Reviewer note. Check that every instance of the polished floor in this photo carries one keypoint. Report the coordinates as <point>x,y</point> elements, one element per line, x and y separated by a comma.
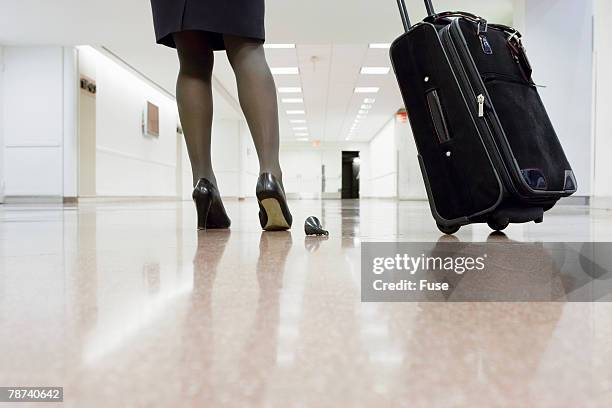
<point>125,304</point>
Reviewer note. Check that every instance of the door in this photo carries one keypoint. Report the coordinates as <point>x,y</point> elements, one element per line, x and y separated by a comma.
<point>351,166</point>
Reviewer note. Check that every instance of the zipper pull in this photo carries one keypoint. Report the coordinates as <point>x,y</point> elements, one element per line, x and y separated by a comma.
<point>486,46</point>
<point>481,102</point>
<point>483,27</point>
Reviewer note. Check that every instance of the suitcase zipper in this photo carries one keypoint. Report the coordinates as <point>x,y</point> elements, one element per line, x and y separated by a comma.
<point>482,34</point>
<point>480,99</point>
<point>454,55</point>
<point>476,78</point>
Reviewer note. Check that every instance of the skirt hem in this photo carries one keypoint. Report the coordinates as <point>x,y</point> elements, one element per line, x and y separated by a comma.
<point>216,38</point>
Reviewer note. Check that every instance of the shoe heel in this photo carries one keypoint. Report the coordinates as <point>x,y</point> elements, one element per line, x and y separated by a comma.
<point>203,204</point>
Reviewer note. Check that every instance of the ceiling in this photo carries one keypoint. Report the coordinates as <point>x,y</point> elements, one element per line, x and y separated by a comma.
<point>332,45</point>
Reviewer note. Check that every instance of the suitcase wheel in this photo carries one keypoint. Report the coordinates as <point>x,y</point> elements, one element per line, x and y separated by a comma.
<point>498,224</point>
<point>449,230</point>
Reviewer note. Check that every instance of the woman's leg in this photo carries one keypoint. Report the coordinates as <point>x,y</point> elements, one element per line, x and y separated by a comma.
<point>195,102</point>
<point>257,94</point>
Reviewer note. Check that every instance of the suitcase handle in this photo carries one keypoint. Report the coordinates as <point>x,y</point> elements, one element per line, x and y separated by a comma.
<point>405,16</point>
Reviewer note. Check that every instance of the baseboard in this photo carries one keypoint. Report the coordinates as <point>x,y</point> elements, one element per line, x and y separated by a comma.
<point>33,200</point>
<point>331,196</point>
<point>575,200</point>
<point>419,199</point>
<point>106,199</point>
<point>603,203</point>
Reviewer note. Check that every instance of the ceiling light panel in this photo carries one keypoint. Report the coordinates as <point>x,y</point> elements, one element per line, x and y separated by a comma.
<point>369,100</point>
<point>375,70</point>
<point>367,89</point>
<point>289,89</point>
<point>382,46</point>
<point>296,112</point>
<point>293,100</point>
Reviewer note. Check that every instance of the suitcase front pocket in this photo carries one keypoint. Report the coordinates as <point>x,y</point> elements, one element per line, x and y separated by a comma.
<point>529,133</point>
<point>437,116</point>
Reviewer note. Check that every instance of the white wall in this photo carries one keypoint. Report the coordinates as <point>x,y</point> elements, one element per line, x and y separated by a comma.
<point>302,172</point>
<point>558,38</point>
<point>226,156</point>
<point>37,86</point>
<point>382,164</point>
<point>71,132</point>
<point>127,162</point>
<point>410,182</point>
<point>302,164</point>
<point>130,164</point>
<point>603,99</point>
<point>2,183</point>
<point>249,164</point>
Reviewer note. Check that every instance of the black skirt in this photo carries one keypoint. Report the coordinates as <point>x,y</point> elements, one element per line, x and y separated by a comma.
<point>243,18</point>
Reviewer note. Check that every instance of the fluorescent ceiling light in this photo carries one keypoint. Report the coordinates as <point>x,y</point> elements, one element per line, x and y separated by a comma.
<point>369,100</point>
<point>300,128</point>
<point>279,46</point>
<point>375,70</point>
<point>298,120</point>
<point>303,139</point>
<point>285,71</point>
<point>301,134</point>
<point>366,106</point>
<point>296,112</point>
<point>367,89</point>
<point>361,116</point>
<point>293,100</point>
<point>290,90</point>
<point>380,45</point>
<point>363,112</point>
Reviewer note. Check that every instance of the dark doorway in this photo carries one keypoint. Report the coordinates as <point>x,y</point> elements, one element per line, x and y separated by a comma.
<point>350,175</point>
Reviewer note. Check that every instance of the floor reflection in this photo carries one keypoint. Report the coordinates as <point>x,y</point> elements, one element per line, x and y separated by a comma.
<point>124,304</point>
<point>350,227</point>
<point>198,331</point>
<point>522,272</point>
<point>258,355</point>
<point>312,244</point>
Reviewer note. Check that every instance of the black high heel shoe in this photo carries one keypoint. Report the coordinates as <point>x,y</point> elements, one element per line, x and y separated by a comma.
<point>274,214</point>
<point>211,212</point>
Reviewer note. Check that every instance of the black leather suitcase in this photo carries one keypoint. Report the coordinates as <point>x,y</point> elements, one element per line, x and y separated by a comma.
<point>487,149</point>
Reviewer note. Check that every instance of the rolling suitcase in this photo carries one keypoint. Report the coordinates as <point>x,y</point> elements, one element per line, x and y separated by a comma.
<point>487,149</point>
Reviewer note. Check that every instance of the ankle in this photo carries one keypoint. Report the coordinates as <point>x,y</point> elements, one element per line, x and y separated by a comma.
<point>276,172</point>
<point>209,177</point>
